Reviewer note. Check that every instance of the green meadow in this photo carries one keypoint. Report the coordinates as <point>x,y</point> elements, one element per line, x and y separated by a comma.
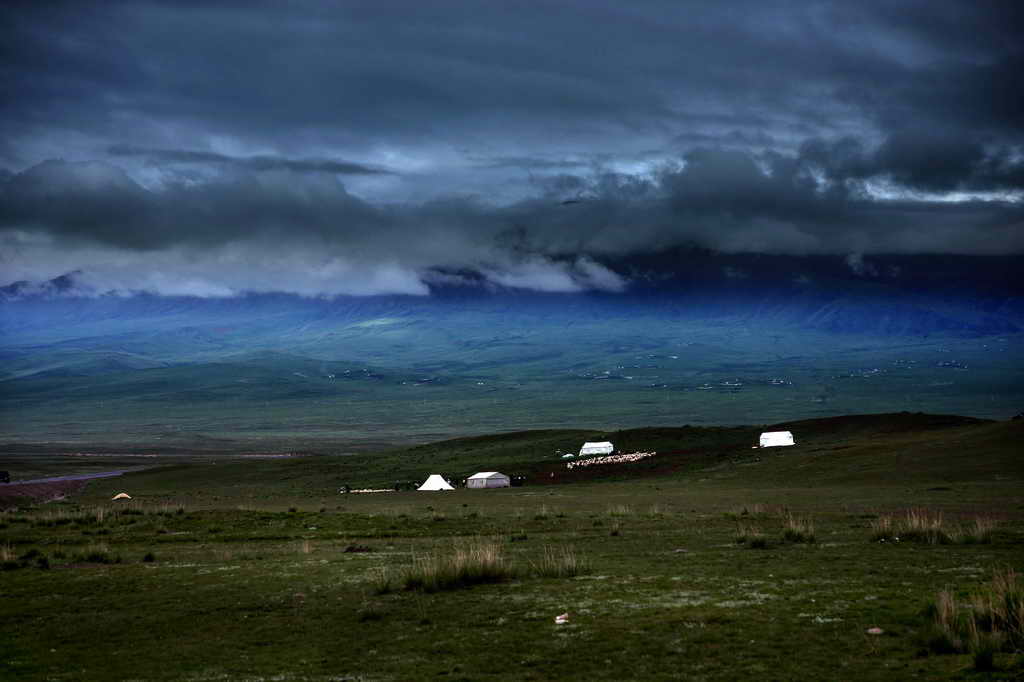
<point>711,560</point>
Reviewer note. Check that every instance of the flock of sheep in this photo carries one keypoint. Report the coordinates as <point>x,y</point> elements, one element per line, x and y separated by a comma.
<point>610,459</point>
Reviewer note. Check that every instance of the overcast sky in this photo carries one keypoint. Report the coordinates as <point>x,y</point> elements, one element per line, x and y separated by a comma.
<point>212,148</point>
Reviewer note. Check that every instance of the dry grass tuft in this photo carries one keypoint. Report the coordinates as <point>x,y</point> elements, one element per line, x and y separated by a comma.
<point>561,562</point>
<point>946,626</point>
<point>746,532</point>
<point>929,527</point>
<point>922,525</point>
<point>795,529</point>
<point>383,580</point>
<point>991,621</point>
<point>620,510</point>
<point>979,531</point>
<point>472,563</point>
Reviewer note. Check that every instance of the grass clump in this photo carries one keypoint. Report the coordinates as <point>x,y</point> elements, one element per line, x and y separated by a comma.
<point>929,527</point>
<point>369,613</point>
<point>990,621</point>
<point>561,562</point>
<point>383,581</point>
<point>97,554</point>
<point>620,510</point>
<point>751,536</point>
<point>473,563</point>
<point>10,562</point>
<point>922,525</point>
<point>797,530</point>
<point>979,531</point>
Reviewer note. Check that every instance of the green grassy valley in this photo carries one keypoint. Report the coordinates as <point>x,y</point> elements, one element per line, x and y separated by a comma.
<point>424,387</point>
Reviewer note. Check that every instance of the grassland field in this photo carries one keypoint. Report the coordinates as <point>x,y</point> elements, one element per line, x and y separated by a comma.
<point>378,382</point>
<point>223,566</point>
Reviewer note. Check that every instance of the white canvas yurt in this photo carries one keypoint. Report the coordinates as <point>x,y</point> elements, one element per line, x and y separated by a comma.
<point>601,448</point>
<point>488,479</point>
<point>772,439</point>
<point>435,482</point>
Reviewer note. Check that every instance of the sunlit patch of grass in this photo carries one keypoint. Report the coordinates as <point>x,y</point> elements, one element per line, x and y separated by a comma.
<point>620,510</point>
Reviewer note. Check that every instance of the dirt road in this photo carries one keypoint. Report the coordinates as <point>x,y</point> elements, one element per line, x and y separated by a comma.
<point>50,489</point>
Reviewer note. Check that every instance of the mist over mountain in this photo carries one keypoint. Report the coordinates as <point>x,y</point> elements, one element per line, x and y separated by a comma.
<point>889,295</point>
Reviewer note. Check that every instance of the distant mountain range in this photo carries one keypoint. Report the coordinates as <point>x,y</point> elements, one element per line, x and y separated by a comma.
<point>697,337</point>
<point>887,295</point>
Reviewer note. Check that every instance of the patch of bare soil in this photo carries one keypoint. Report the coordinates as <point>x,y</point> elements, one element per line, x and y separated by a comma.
<point>15,494</point>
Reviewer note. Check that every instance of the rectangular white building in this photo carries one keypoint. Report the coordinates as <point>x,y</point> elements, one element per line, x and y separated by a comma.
<point>597,448</point>
<point>772,439</point>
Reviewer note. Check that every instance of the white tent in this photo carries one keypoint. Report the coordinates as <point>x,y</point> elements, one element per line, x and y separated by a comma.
<point>601,448</point>
<point>435,482</point>
<point>121,496</point>
<point>488,479</point>
<point>773,439</point>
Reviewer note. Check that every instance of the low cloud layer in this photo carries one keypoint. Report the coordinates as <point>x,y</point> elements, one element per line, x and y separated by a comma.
<point>158,157</point>
<point>306,234</point>
<point>327,149</point>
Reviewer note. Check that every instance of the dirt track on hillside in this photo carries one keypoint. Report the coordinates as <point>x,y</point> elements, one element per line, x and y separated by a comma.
<point>40,490</point>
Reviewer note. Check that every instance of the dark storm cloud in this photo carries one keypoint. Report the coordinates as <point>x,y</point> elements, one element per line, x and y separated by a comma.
<point>922,159</point>
<point>528,142</point>
<point>530,163</point>
<point>254,163</point>
<point>560,72</point>
<point>96,201</point>
<point>723,199</point>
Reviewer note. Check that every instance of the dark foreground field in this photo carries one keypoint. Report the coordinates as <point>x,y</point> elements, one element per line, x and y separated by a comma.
<point>709,561</point>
